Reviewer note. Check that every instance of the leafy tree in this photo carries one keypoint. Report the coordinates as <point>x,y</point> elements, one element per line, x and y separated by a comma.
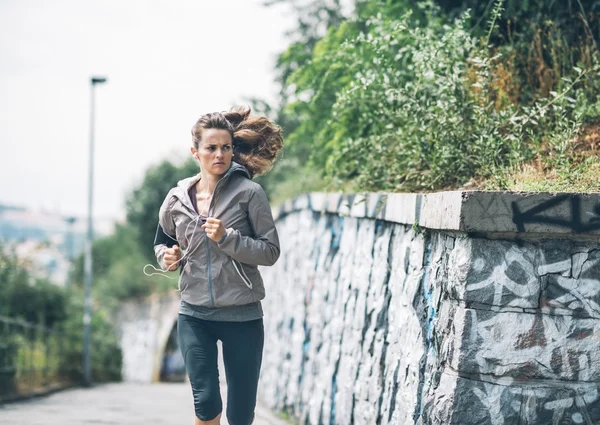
<point>39,302</point>
<point>107,250</point>
<point>144,201</point>
<point>119,266</point>
<point>106,358</point>
<point>314,18</point>
<point>25,297</point>
<point>122,259</point>
<point>521,13</point>
<point>541,41</point>
<point>311,74</point>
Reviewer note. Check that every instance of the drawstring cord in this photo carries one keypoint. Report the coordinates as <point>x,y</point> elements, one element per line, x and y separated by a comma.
<point>187,253</point>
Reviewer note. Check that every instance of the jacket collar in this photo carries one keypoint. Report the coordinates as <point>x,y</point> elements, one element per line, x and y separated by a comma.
<point>183,186</point>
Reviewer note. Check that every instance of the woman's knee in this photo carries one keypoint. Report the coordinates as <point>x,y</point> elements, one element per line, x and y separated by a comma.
<point>206,405</point>
<point>204,379</point>
<point>207,395</point>
<point>240,418</point>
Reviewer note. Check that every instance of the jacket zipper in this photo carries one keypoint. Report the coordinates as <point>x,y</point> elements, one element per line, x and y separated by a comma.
<point>240,270</point>
<point>208,256</point>
<point>209,262</point>
<point>210,282</point>
<point>242,274</point>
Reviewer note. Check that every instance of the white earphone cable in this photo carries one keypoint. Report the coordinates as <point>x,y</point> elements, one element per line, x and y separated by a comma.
<point>188,252</point>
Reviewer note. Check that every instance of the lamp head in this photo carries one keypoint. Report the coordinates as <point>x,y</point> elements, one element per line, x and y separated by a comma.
<point>98,80</point>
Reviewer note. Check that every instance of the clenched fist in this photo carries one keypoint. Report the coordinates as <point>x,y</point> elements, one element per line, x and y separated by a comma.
<point>172,257</point>
<point>214,229</point>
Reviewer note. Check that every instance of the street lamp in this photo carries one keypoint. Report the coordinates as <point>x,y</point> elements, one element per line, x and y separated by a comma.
<point>87,305</point>
<point>69,246</point>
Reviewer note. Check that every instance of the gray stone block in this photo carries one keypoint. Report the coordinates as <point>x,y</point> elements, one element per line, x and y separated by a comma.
<point>494,273</point>
<point>526,346</point>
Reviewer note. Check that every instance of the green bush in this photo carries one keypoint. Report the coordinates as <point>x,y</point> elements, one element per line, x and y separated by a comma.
<point>420,103</point>
<point>395,99</point>
<point>32,358</point>
<point>106,359</point>
<point>8,362</point>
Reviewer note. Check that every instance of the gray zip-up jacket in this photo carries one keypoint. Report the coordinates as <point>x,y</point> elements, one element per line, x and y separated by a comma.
<point>221,274</point>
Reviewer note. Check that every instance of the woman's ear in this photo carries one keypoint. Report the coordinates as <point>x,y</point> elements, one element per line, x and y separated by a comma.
<point>194,152</point>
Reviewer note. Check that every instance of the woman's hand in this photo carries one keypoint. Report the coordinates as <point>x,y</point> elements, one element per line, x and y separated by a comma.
<point>171,258</point>
<point>214,229</point>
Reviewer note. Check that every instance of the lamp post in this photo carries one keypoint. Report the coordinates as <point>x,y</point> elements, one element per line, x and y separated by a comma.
<point>87,305</point>
<point>69,248</point>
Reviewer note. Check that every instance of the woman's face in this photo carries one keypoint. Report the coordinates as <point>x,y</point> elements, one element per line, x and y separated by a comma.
<point>215,151</point>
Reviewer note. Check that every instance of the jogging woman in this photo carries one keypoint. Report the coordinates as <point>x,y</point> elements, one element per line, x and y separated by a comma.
<point>217,227</point>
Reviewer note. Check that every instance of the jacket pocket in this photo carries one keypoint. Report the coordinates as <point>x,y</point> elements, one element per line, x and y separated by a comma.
<point>184,275</point>
<point>182,286</point>
<point>241,273</point>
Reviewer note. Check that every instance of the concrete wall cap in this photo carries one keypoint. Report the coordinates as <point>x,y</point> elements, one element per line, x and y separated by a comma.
<point>464,211</point>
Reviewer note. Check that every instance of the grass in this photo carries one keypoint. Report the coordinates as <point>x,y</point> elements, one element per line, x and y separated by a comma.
<point>575,167</point>
<point>584,177</point>
<point>36,367</point>
<point>287,417</point>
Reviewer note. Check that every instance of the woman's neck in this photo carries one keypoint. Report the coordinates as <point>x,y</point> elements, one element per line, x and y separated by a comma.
<point>208,182</point>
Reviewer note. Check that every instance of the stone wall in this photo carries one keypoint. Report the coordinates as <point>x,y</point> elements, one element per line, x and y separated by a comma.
<point>143,329</point>
<point>450,308</point>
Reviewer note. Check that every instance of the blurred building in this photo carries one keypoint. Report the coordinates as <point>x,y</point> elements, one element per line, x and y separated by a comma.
<point>46,243</point>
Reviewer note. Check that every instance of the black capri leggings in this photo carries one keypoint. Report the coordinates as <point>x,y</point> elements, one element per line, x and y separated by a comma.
<point>242,355</point>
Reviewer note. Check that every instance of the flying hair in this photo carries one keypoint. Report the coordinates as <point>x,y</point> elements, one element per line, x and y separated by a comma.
<point>256,139</point>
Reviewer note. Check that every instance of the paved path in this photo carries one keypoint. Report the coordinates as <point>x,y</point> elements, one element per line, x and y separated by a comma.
<point>115,404</point>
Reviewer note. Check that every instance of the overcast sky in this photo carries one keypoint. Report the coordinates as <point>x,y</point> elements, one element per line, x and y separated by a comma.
<point>167,63</point>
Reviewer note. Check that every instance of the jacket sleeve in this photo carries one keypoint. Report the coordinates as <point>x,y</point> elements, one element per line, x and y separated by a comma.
<point>165,231</point>
<point>263,248</point>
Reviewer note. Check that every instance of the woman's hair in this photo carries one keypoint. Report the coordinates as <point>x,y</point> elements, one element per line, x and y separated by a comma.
<point>256,139</point>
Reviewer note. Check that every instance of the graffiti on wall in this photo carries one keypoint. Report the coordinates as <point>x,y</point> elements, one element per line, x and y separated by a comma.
<point>553,341</point>
<point>572,220</point>
<point>472,330</point>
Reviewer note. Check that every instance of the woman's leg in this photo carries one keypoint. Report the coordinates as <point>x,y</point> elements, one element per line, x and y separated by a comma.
<point>198,345</point>
<point>215,421</point>
<point>242,356</point>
